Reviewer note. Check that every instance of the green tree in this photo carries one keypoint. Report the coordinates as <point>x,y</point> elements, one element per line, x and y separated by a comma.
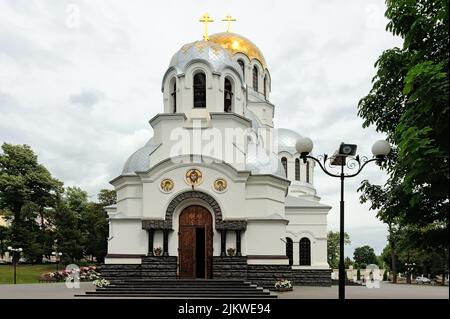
<point>69,224</point>
<point>4,238</point>
<point>95,228</point>
<point>107,197</point>
<point>348,262</point>
<point>409,103</point>
<point>333,247</point>
<point>27,191</point>
<point>365,255</point>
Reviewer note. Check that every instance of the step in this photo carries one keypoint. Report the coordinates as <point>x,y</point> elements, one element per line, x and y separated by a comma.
<point>203,295</point>
<point>220,296</point>
<point>177,289</point>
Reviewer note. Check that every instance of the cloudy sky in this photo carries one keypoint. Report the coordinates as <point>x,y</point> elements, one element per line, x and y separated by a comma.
<point>79,80</point>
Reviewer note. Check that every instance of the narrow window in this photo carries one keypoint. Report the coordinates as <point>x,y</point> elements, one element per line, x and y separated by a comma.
<point>305,252</point>
<point>255,78</point>
<point>284,162</point>
<point>228,96</point>
<point>297,169</point>
<point>200,90</point>
<point>242,65</point>
<point>174,96</point>
<point>290,250</point>
<point>265,87</point>
<point>307,171</point>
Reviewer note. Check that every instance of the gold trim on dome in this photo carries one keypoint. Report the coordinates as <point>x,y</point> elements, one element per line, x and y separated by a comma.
<point>202,45</point>
<point>235,43</point>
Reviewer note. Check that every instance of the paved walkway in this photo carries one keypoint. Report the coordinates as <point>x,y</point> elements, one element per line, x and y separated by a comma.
<point>386,291</point>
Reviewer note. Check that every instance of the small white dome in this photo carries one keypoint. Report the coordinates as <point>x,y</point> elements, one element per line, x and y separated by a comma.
<point>286,140</point>
<point>140,160</point>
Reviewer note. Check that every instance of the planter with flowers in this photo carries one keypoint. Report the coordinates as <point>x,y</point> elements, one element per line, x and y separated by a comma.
<point>283,285</point>
<point>157,251</point>
<point>231,252</point>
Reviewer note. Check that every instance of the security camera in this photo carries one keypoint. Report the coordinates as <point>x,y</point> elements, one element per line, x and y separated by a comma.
<point>347,149</point>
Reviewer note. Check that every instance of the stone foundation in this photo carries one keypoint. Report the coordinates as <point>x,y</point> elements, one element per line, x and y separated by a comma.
<point>311,277</point>
<point>152,267</point>
<point>233,268</point>
<point>230,268</point>
<point>266,275</point>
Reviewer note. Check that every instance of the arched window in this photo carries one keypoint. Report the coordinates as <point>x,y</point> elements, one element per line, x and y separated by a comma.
<point>242,65</point>
<point>284,162</point>
<point>265,87</point>
<point>305,252</point>
<point>173,96</point>
<point>297,169</point>
<point>290,250</point>
<point>228,96</point>
<point>200,90</point>
<point>255,78</point>
<point>307,171</point>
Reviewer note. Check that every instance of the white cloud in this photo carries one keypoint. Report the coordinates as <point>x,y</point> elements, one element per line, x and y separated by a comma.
<point>79,79</point>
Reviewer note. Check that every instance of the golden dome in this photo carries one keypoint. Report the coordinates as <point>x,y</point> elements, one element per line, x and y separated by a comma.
<point>236,43</point>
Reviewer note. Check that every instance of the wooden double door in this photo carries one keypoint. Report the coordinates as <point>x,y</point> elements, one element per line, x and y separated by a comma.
<point>195,243</point>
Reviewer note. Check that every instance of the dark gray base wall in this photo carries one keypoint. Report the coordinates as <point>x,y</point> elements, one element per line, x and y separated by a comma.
<point>229,268</point>
<point>266,275</point>
<point>165,267</point>
<point>161,267</point>
<point>311,277</point>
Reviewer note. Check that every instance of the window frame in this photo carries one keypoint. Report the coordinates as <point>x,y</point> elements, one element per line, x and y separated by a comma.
<point>199,88</point>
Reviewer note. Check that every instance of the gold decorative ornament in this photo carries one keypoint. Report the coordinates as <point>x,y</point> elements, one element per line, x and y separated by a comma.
<point>206,19</point>
<point>194,177</point>
<point>167,185</point>
<point>236,43</point>
<point>220,185</point>
<point>228,19</point>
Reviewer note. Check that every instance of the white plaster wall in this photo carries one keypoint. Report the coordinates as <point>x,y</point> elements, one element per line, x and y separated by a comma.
<point>265,238</point>
<point>128,237</point>
<point>214,139</point>
<point>312,224</point>
<point>232,201</point>
<point>214,90</point>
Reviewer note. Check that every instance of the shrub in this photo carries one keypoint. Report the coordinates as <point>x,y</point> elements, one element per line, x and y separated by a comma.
<point>385,275</point>
<point>358,274</point>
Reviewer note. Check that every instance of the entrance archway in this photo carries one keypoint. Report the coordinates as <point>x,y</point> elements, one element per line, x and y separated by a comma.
<point>195,242</point>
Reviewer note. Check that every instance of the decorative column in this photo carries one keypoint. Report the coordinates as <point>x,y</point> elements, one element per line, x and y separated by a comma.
<point>223,243</point>
<point>151,233</point>
<point>165,242</point>
<point>238,243</point>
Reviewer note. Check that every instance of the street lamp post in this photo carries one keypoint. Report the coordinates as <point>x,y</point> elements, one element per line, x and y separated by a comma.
<point>344,157</point>
<point>57,255</point>
<point>14,252</point>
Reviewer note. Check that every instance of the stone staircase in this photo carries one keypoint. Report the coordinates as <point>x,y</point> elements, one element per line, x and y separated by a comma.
<point>181,288</point>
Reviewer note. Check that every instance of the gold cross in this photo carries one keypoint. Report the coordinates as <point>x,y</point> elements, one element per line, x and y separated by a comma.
<point>206,19</point>
<point>228,19</point>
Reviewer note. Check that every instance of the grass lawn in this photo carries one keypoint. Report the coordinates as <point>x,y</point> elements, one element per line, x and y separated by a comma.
<point>26,274</point>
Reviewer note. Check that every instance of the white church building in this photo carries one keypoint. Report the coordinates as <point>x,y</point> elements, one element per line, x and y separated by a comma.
<point>218,191</point>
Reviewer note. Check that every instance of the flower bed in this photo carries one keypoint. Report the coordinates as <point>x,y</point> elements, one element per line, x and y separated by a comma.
<point>283,285</point>
<point>88,273</point>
